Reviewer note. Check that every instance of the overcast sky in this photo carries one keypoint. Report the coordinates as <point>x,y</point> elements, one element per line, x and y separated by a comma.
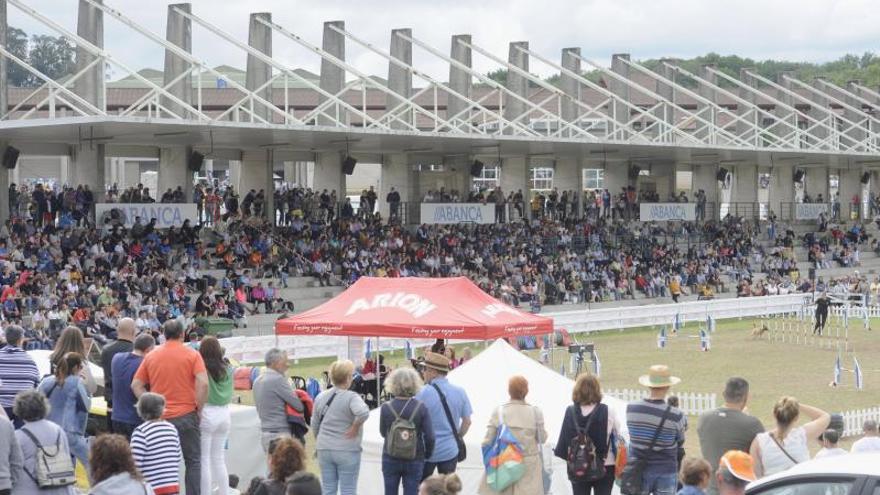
<point>812,30</point>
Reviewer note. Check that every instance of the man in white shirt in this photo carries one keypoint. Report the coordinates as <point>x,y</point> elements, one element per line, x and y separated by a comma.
<point>871,441</point>
<point>829,444</point>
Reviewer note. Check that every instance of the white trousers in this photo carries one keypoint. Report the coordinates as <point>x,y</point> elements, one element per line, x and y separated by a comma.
<point>214,427</point>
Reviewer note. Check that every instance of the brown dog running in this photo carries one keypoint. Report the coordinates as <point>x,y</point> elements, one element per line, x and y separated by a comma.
<point>759,331</point>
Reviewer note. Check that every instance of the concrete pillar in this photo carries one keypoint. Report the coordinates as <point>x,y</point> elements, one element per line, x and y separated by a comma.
<point>332,76</point>
<point>621,110</point>
<point>705,178</point>
<point>745,183</point>
<point>668,93</point>
<point>817,182</point>
<point>396,173</point>
<point>570,85</point>
<point>88,163</point>
<point>515,175</point>
<point>235,177</point>
<point>4,174</point>
<point>290,172</point>
<point>400,78</point>
<point>90,26</point>
<point>850,185</point>
<point>256,169</point>
<point>517,84</point>
<point>818,133</point>
<point>616,176</point>
<point>459,80</point>
<point>743,128</point>
<point>568,176</point>
<point>858,134</point>
<point>328,173</point>
<point>711,95</point>
<point>174,171</point>
<point>179,32</point>
<point>259,72</point>
<point>64,170</point>
<point>4,83</point>
<point>782,191</point>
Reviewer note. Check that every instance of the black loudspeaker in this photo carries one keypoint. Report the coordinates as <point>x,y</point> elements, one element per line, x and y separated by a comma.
<point>10,157</point>
<point>195,161</point>
<point>799,175</point>
<point>866,177</point>
<point>348,165</point>
<point>476,168</point>
<point>634,172</point>
<point>721,176</point>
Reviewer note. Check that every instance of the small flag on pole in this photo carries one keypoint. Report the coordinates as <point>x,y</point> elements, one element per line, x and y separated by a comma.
<point>562,369</point>
<point>368,349</point>
<point>860,383</point>
<point>837,371</point>
<point>597,365</point>
<point>676,322</point>
<point>661,338</point>
<point>710,323</point>
<point>705,340</point>
<point>408,350</point>
<point>846,316</point>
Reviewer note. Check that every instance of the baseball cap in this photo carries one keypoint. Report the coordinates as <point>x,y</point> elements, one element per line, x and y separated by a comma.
<point>739,464</point>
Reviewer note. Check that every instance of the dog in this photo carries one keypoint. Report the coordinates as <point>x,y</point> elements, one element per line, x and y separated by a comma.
<point>759,331</point>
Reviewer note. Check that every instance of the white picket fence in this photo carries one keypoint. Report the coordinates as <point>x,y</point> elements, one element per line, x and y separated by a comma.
<point>690,403</point>
<point>853,420</point>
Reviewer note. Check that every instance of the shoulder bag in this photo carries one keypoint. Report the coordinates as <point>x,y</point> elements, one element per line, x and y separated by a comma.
<point>631,477</point>
<point>462,449</point>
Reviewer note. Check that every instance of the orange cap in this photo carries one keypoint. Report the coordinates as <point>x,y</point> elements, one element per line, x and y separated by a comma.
<point>739,464</point>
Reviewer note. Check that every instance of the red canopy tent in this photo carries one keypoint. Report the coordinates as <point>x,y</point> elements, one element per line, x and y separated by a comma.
<point>448,308</point>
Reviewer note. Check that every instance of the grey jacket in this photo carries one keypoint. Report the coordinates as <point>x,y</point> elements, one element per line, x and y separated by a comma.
<point>47,433</point>
<point>272,392</point>
<point>121,483</point>
<point>10,455</point>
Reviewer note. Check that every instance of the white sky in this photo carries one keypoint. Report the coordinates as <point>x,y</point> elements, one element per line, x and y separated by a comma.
<point>811,30</point>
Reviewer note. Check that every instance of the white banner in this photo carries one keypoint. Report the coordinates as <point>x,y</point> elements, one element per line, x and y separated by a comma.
<point>447,213</point>
<point>166,214</point>
<point>810,211</point>
<point>666,212</point>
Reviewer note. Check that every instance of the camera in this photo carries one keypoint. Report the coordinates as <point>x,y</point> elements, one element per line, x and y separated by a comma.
<point>581,348</point>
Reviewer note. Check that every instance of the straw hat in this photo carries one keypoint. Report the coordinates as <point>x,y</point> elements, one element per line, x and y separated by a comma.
<point>739,464</point>
<point>436,361</point>
<point>658,377</point>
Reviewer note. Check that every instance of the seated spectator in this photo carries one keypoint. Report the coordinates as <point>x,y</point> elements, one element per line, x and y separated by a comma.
<point>287,456</point>
<point>112,468</point>
<point>441,484</point>
<point>303,483</point>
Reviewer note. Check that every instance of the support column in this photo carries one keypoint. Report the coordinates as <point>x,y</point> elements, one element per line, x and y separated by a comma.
<point>745,184</point>
<point>569,176</point>
<point>569,85</point>
<point>255,171</point>
<point>4,82</point>
<point>332,76</point>
<point>517,84</point>
<point>89,168</point>
<point>396,174</point>
<point>4,174</point>
<point>179,32</point>
<point>290,173</point>
<point>817,182</point>
<point>174,171</point>
<point>704,178</point>
<point>616,177</point>
<point>400,78</point>
<point>459,80</point>
<point>850,185</point>
<point>515,177</point>
<point>64,171</point>
<point>259,72</point>
<point>328,173</point>
<point>782,191</point>
<point>90,26</point>
<point>621,111</point>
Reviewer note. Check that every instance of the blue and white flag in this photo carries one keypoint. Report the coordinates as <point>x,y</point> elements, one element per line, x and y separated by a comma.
<point>860,383</point>
<point>597,365</point>
<point>846,316</point>
<point>676,322</point>
<point>837,369</point>
<point>368,349</point>
<point>661,338</point>
<point>705,340</point>
<point>408,350</point>
<point>710,323</point>
<point>562,369</point>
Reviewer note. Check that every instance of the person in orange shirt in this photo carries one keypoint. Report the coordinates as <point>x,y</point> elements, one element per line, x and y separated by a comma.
<point>178,373</point>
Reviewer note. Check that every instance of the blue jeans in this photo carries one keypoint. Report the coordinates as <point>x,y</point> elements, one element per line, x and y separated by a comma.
<point>659,481</point>
<point>339,471</point>
<point>79,449</point>
<point>394,471</point>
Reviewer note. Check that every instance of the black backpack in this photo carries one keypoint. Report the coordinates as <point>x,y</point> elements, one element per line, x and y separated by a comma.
<point>582,460</point>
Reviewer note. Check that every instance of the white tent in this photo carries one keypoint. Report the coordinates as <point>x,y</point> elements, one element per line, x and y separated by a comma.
<point>485,380</point>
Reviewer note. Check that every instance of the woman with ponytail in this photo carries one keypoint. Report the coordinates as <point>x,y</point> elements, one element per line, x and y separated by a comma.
<point>69,403</point>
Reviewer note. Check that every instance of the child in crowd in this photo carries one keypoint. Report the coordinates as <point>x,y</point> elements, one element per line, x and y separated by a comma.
<point>829,440</point>
<point>695,475</point>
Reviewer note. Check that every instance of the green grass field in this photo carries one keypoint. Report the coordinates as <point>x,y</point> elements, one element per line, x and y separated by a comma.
<point>773,369</point>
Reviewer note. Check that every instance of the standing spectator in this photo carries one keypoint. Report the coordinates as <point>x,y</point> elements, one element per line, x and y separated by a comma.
<point>71,340</point>
<point>113,470</point>
<point>124,342</point>
<point>728,427</point>
<point>441,484</point>
<point>10,456</point>
<point>871,441</point>
<point>829,439</point>
<point>178,373</point>
<point>656,433</point>
<point>18,371</point>
<point>393,199</point>
<point>339,414</point>
<point>69,403</point>
<point>272,393</point>
<point>451,414</point>
<point>403,384</point>
<point>215,417</point>
<point>156,447</point>
<point>589,415</point>
<point>786,445</point>
<point>735,471</point>
<point>124,417</point>
<point>32,407</point>
<point>287,456</point>
<point>526,423</point>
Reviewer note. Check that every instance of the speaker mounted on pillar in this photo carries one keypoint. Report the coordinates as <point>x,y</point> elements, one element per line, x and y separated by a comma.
<point>799,175</point>
<point>634,171</point>
<point>866,177</point>
<point>10,157</point>
<point>476,168</point>
<point>721,176</point>
<point>348,164</point>
<point>195,161</point>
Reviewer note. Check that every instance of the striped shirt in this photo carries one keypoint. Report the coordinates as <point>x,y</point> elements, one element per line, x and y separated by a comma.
<point>155,447</point>
<point>17,372</point>
<point>642,419</point>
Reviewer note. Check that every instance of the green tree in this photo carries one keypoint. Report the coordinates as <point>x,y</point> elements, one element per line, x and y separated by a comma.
<point>53,56</point>
<point>17,44</point>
